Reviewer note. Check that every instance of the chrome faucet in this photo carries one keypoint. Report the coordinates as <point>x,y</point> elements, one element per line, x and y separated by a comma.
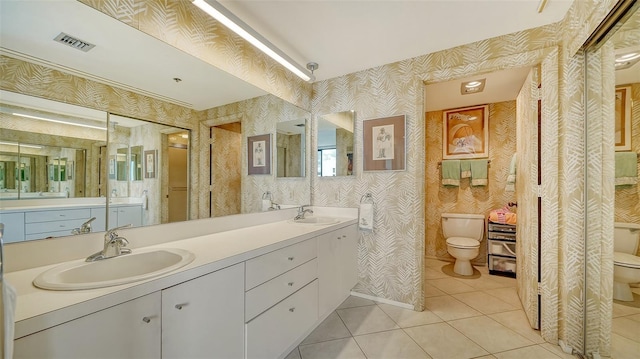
<point>85,227</point>
<point>301,212</point>
<point>113,246</point>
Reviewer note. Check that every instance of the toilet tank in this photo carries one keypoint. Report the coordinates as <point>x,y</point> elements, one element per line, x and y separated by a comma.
<point>463,225</point>
<point>626,237</point>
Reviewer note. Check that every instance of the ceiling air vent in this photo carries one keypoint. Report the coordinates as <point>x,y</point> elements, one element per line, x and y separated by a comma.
<point>74,42</point>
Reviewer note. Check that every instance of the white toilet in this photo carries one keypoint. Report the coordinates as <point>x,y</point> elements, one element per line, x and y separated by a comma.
<point>626,265</point>
<point>463,232</point>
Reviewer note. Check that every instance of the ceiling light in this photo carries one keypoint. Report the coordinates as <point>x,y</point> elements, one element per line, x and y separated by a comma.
<point>228,19</point>
<point>58,121</point>
<point>19,144</point>
<point>473,86</point>
<point>184,135</point>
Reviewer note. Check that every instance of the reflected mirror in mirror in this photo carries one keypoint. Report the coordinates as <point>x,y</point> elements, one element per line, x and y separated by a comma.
<point>121,163</point>
<point>335,144</point>
<point>290,148</point>
<point>135,164</point>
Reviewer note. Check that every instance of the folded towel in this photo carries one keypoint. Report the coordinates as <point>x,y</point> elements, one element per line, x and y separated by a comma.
<point>451,173</point>
<point>479,172</point>
<point>511,178</point>
<point>365,218</point>
<point>626,168</point>
<point>266,204</point>
<point>8,305</point>
<point>465,169</point>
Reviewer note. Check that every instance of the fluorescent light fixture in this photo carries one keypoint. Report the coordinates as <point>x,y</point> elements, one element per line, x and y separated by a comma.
<point>228,19</point>
<point>58,121</point>
<point>19,144</point>
<point>473,86</point>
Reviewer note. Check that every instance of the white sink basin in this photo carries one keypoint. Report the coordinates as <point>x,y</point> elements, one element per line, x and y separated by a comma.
<point>141,264</point>
<point>316,220</point>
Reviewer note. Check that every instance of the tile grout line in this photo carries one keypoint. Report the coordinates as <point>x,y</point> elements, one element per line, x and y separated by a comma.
<point>407,334</point>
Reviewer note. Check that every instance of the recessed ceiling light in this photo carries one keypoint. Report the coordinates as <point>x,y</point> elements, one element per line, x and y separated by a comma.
<point>473,86</point>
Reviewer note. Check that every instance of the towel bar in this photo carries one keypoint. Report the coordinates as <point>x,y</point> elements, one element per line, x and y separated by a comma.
<point>440,163</point>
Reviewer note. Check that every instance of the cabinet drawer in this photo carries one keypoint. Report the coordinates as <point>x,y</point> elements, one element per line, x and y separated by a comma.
<point>502,264</point>
<point>267,294</point>
<point>57,215</point>
<point>503,248</point>
<point>502,235</point>
<point>57,226</point>
<point>502,227</point>
<point>272,332</point>
<point>270,265</point>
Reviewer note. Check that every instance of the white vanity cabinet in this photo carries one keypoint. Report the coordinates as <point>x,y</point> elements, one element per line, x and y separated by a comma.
<point>127,330</point>
<point>204,317</point>
<point>337,267</point>
<point>13,226</point>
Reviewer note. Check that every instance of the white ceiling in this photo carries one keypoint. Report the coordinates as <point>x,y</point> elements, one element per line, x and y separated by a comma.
<point>342,36</point>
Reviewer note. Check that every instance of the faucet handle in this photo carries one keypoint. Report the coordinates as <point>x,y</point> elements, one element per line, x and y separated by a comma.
<point>112,235</point>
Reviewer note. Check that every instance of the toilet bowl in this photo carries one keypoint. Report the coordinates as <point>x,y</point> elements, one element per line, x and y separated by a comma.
<point>463,233</point>
<point>626,265</point>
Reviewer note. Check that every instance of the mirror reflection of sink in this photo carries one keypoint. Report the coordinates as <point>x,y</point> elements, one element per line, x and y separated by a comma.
<point>316,220</point>
<point>140,265</point>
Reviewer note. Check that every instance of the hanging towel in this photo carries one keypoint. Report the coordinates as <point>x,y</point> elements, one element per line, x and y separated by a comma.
<point>266,204</point>
<point>8,305</point>
<point>626,168</point>
<point>511,178</point>
<point>451,173</point>
<point>365,217</point>
<point>465,169</point>
<point>479,172</point>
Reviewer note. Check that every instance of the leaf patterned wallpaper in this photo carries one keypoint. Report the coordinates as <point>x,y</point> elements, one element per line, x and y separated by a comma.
<point>391,257</point>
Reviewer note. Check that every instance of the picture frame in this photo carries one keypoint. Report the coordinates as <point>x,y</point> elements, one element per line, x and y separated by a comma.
<point>150,163</point>
<point>465,132</point>
<point>259,154</point>
<point>623,119</point>
<point>384,143</point>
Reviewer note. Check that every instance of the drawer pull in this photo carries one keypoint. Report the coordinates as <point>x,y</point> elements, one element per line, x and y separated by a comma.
<point>63,215</point>
<point>181,305</point>
<point>290,258</point>
<point>146,319</point>
<point>292,309</point>
<point>290,284</point>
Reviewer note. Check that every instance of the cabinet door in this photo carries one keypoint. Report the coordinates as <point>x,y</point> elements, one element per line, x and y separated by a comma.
<point>204,317</point>
<point>129,215</point>
<point>100,223</point>
<point>328,272</point>
<point>13,226</point>
<point>348,258</point>
<point>128,330</point>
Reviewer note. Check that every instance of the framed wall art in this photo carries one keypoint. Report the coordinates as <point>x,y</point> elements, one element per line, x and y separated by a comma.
<point>259,151</point>
<point>623,118</point>
<point>465,133</point>
<point>384,144</point>
<point>150,163</point>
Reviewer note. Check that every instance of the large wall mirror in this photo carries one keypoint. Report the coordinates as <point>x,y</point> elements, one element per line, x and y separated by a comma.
<point>335,144</point>
<point>133,178</point>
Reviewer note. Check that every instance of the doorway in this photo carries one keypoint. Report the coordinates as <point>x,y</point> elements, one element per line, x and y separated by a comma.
<point>178,179</point>
<point>225,177</point>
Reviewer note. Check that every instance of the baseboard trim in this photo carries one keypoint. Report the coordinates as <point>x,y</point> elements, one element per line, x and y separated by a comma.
<point>383,300</point>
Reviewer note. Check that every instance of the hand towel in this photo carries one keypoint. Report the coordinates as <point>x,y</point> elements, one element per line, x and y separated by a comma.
<point>465,169</point>
<point>8,303</point>
<point>626,168</point>
<point>365,217</point>
<point>479,172</point>
<point>511,178</point>
<point>451,173</point>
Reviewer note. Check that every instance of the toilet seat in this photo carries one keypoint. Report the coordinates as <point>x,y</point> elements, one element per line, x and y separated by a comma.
<point>463,242</point>
<point>626,260</point>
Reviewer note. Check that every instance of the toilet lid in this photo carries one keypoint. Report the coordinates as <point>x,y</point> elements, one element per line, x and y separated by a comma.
<point>626,260</point>
<point>463,242</point>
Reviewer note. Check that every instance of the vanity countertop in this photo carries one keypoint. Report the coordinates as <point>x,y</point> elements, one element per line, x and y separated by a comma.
<point>38,309</point>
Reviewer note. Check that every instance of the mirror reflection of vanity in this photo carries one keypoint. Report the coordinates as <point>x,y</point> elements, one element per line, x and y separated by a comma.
<point>335,144</point>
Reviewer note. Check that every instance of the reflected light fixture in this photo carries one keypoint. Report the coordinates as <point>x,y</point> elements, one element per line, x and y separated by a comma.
<point>470,87</point>
<point>625,61</point>
<point>228,19</point>
<point>58,121</point>
<point>19,144</point>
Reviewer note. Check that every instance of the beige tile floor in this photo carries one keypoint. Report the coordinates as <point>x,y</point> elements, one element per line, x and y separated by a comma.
<point>464,318</point>
<point>625,336</point>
